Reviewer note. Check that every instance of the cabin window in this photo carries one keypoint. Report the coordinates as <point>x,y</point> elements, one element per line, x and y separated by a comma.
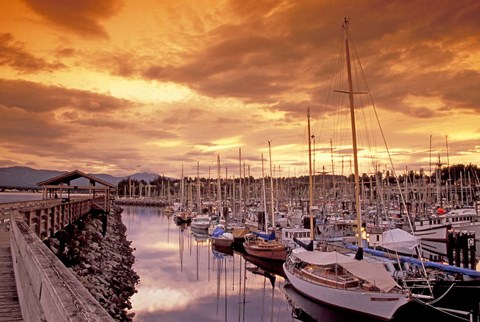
<point>378,238</point>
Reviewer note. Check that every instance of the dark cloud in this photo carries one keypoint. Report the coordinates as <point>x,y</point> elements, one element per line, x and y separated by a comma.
<point>65,52</point>
<point>119,63</point>
<point>19,128</point>
<point>155,134</point>
<point>275,50</point>
<point>82,17</point>
<point>36,97</point>
<point>101,123</point>
<point>294,111</point>
<point>462,90</point>
<point>14,55</point>
<point>279,49</point>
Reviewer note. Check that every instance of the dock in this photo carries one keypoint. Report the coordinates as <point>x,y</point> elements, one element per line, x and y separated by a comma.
<point>9,305</point>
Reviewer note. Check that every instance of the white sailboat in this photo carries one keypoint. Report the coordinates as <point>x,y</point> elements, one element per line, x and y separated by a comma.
<point>347,281</point>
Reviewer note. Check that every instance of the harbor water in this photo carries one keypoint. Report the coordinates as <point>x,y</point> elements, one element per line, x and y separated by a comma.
<point>182,278</point>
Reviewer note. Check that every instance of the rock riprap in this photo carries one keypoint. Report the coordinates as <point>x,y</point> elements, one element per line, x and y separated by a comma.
<point>103,264</point>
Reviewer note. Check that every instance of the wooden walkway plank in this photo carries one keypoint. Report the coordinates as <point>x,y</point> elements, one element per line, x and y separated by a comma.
<point>9,305</point>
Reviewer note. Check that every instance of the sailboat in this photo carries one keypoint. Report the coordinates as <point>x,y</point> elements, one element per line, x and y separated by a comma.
<point>338,278</point>
<point>262,244</point>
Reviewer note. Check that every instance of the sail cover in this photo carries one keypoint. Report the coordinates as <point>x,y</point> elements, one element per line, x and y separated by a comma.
<point>400,241</point>
<point>265,236</point>
<point>218,232</point>
<point>374,273</point>
<point>323,258</point>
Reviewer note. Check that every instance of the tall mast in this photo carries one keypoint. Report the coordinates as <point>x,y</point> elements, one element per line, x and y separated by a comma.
<point>448,192</point>
<point>264,197</point>
<point>310,180</point>
<point>219,188</point>
<point>199,204</point>
<point>240,177</point>
<point>333,179</point>
<point>182,190</point>
<point>271,184</point>
<point>354,143</point>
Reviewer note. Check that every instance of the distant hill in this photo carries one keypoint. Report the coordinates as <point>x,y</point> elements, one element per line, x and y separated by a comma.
<point>25,177</point>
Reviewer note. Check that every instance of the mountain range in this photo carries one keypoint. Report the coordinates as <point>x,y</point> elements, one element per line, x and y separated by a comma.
<point>25,177</point>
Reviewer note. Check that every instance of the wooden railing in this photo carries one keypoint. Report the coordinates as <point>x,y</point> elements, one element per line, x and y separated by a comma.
<point>46,217</point>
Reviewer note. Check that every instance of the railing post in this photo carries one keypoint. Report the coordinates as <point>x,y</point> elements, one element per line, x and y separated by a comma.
<point>39,222</point>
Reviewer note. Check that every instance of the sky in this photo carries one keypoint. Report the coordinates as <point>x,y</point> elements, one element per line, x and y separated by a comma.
<point>120,87</point>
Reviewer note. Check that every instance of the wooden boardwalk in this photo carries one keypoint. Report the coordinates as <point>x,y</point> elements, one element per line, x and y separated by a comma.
<point>9,305</point>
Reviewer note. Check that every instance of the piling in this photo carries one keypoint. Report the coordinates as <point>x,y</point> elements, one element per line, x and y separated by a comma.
<point>461,249</point>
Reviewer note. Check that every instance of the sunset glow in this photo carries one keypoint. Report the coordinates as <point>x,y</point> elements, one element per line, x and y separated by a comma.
<point>145,86</point>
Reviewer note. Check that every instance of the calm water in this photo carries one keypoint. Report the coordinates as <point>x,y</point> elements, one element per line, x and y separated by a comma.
<point>19,196</point>
<point>183,279</point>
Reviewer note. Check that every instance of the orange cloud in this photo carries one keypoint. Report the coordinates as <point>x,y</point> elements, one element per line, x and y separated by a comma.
<point>81,17</point>
<point>14,55</point>
<point>36,98</point>
<point>166,81</point>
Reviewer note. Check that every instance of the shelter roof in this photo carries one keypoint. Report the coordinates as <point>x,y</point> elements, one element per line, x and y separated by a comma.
<point>70,176</point>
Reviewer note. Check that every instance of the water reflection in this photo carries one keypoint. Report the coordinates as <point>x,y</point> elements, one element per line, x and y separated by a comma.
<point>183,278</point>
<point>19,196</point>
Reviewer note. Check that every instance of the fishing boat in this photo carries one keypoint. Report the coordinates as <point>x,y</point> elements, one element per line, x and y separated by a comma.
<point>291,233</point>
<point>329,276</point>
<point>437,226</point>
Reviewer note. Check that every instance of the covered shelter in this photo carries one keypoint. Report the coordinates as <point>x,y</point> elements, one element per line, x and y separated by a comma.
<point>80,183</point>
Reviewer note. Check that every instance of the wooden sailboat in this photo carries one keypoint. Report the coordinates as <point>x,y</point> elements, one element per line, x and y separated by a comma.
<point>263,245</point>
<point>342,280</point>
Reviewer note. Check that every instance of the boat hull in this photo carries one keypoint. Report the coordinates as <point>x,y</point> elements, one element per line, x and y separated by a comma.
<point>438,233</point>
<point>279,254</point>
<point>222,242</point>
<point>379,305</point>
<point>228,250</point>
<point>200,226</point>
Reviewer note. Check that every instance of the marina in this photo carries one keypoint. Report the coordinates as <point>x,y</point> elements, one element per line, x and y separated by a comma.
<point>182,274</point>
<point>242,161</point>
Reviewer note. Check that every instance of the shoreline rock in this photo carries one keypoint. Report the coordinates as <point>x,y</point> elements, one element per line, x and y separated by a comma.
<point>102,264</point>
<point>146,202</point>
